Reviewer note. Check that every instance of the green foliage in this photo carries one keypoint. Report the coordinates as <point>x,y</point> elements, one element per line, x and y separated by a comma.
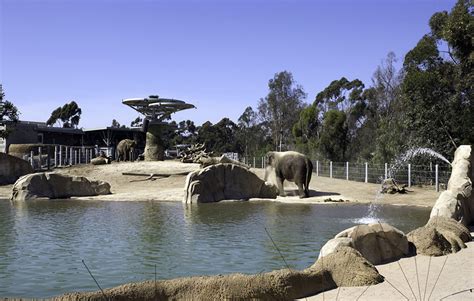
<point>221,137</point>
<point>334,136</point>
<point>280,109</point>
<point>137,122</point>
<point>8,111</point>
<point>69,115</point>
<point>437,90</point>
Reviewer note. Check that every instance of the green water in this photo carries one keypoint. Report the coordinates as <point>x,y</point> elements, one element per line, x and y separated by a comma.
<point>42,243</point>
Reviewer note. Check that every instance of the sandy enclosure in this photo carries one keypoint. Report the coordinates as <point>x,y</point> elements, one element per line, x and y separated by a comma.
<point>171,188</point>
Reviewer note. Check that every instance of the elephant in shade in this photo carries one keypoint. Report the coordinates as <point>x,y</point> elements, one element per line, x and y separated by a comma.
<point>124,149</point>
<point>291,166</point>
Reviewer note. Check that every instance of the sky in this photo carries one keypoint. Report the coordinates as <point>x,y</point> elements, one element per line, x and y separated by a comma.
<point>217,55</point>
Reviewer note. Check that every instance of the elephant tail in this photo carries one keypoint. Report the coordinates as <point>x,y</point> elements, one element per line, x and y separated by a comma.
<point>309,172</point>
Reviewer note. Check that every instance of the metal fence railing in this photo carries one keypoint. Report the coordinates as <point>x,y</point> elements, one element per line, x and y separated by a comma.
<point>433,174</point>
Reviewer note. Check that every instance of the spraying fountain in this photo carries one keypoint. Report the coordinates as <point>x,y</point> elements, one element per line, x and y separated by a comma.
<point>156,111</point>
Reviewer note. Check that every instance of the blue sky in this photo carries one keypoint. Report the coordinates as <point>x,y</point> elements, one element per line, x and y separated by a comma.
<point>218,55</point>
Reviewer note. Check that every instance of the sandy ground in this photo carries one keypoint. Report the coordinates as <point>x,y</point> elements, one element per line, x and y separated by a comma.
<point>136,188</point>
<point>456,276</point>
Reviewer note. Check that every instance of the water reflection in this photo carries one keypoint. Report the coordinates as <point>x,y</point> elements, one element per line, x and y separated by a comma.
<point>42,243</point>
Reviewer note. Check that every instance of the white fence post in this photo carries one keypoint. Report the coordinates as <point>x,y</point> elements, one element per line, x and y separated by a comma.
<point>263,162</point>
<point>70,156</point>
<point>330,169</point>
<point>386,171</point>
<point>32,159</point>
<point>366,172</point>
<point>317,168</point>
<point>55,156</point>
<point>436,178</point>
<point>79,151</point>
<point>409,175</point>
<point>253,162</point>
<point>39,157</point>
<point>347,171</point>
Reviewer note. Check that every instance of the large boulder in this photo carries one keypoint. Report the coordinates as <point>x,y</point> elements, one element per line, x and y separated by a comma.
<point>377,242</point>
<point>346,267</point>
<point>440,236</point>
<point>55,186</point>
<point>457,202</point>
<point>225,181</point>
<point>11,168</point>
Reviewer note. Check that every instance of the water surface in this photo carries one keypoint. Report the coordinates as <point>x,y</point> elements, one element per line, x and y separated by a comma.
<point>42,243</point>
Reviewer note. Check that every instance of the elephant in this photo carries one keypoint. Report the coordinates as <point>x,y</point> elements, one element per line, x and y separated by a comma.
<point>291,166</point>
<point>124,148</point>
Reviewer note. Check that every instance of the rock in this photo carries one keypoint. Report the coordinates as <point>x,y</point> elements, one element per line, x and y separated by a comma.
<point>457,201</point>
<point>390,186</point>
<point>208,161</point>
<point>11,168</point>
<point>54,186</point>
<point>100,161</point>
<point>440,236</point>
<point>333,244</point>
<point>225,181</point>
<point>378,242</point>
<point>346,267</point>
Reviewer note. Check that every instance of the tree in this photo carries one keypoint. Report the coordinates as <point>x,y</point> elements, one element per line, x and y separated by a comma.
<point>137,122</point>
<point>437,89</point>
<point>115,124</point>
<point>8,111</point>
<point>68,115</point>
<point>334,139</point>
<point>280,109</point>
<point>307,130</point>
<point>221,137</point>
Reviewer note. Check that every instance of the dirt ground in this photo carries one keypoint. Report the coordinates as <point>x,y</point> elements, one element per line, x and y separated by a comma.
<point>171,188</point>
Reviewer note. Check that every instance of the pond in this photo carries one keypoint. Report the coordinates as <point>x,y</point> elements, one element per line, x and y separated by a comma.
<point>43,243</point>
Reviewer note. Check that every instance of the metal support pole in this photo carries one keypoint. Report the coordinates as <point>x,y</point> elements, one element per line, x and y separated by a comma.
<point>436,178</point>
<point>75,156</point>
<point>330,169</point>
<point>254,162</point>
<point>70,156</point>
<point>347,171</point>
<point>409,175</point>
<point>317,168</point>
<point>366,172</point>
<point>60,155</point>
<point>55,156</point>
<point>386,170</point>
<point>263,162</point>
<point>79,151</point>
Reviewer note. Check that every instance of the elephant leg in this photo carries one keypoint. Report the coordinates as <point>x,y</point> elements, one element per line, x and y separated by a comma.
<point>301,191</point>
<point>279,182</point>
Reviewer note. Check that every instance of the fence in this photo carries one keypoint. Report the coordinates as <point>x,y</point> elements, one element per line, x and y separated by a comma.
<point>60,155</point>
<point>433,175</point>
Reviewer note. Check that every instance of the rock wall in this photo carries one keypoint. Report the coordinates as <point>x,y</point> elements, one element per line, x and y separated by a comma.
<point>457,202</point>
<point>11,168</point>
<point>346,267</point>
<point>54,186</point>
<point>225,181</point>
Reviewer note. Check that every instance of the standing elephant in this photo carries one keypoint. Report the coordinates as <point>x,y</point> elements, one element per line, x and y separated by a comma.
<point>291,166</point>
<point>124,148</point>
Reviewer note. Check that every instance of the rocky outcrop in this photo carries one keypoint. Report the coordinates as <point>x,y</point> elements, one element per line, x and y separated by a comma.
<point>345,267</point>
<point>378,242</point>
<point>440,236</point>
<point>54,186</point>
<point>208,161</point>
<point>100,160</point>
<point>11,168</point>
<point>391,186</point>
<point>457,202</point>
<point>225,182</point>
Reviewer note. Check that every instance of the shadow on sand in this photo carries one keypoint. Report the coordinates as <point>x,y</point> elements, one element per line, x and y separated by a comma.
<point>312,193</point>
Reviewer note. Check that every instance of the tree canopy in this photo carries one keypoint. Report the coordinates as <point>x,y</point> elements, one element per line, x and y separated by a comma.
<point>67,116</point>
<point>8,111</point>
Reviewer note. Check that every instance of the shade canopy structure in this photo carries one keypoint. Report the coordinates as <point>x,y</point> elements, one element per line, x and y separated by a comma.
<point>155,110</point>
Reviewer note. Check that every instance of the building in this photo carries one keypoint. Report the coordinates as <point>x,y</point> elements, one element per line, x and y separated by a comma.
<point>106,138</point>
